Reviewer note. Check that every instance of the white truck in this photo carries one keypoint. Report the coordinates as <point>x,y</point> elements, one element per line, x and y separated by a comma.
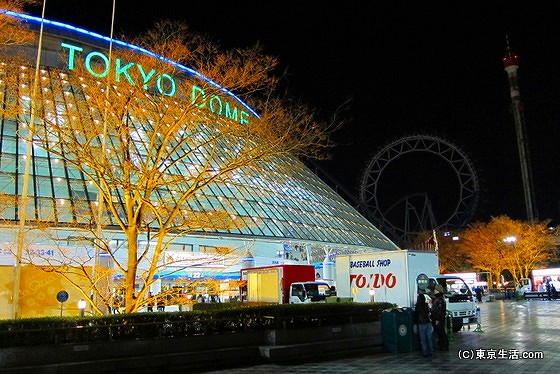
<point>537,286</point>
<point>398,276</point>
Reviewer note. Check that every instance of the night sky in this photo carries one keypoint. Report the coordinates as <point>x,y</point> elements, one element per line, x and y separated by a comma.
<point>408,70</point>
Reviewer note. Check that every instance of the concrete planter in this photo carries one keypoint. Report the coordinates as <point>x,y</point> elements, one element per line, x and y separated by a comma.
<point>320,334</point>
<point>290,345</point>
<point>196,352</point>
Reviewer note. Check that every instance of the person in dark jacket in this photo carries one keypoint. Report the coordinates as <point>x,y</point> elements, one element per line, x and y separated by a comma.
<point>438,314</point>
<point>424,324</point>
<point>479,292</point>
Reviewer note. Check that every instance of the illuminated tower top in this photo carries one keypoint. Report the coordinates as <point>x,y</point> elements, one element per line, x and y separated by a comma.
<point>510,58</point>
<point>511,65</point>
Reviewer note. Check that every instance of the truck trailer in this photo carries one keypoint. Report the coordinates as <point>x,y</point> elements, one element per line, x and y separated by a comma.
<point>283,284</point>
<point>398,277</point>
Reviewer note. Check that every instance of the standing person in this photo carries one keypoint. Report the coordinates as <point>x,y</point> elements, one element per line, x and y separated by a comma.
<point>160,302</point>
<point>151,302</point>
<point>479,292</point>
<point>425,328</point>
<point>549,287</point>
<point>438,314</point>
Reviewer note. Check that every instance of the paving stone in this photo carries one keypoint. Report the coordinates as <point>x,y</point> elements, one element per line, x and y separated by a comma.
<point>510,329</point>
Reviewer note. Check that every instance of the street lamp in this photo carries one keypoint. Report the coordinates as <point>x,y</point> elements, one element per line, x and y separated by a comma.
<point>510,239</point>
<point>82,306</point>
<point>372,295</point>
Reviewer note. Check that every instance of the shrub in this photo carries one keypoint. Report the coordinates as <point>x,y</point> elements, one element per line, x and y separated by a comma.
<point>207,318</point>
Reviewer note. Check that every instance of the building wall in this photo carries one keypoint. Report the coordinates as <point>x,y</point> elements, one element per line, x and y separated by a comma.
<point>38,293</point>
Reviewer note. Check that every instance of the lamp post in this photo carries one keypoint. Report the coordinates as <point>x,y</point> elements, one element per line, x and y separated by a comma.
<point>22,208</point>
<point>509,240</point>
<point>82,306</point>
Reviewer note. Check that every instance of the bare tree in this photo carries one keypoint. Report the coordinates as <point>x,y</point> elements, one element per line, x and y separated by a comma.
<point>149,135</point>
<point>12,30</point>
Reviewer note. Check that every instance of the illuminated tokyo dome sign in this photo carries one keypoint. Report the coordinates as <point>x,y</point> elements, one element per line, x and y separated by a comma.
<point>164,84</point>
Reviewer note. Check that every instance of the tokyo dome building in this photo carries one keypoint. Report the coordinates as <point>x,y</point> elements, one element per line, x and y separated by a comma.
<point>283,215</point>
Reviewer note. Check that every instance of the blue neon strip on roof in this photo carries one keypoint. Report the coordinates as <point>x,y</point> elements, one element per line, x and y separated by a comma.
<point>128,45</point>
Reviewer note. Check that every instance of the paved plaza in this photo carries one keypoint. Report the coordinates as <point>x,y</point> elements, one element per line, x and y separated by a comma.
<point>517,337</point>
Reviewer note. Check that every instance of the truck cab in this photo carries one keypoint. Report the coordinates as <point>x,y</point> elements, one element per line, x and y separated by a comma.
<point>309,292</point>
<point>524,285</point>
<point>458,297</point>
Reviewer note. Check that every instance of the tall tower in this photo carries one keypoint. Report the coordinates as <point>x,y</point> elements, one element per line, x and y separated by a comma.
<point>511,65</point>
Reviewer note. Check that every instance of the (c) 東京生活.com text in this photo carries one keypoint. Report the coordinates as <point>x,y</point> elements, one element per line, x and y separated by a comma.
<point>498,354</point>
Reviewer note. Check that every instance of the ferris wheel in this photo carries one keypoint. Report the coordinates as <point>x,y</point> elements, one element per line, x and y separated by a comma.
<point>406,213</point>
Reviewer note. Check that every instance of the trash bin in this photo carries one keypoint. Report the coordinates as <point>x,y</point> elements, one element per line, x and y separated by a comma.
<point>397,327</point>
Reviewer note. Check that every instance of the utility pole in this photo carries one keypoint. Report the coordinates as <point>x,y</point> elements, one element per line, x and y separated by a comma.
<point>22,208</point>
<point>511,65</point>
